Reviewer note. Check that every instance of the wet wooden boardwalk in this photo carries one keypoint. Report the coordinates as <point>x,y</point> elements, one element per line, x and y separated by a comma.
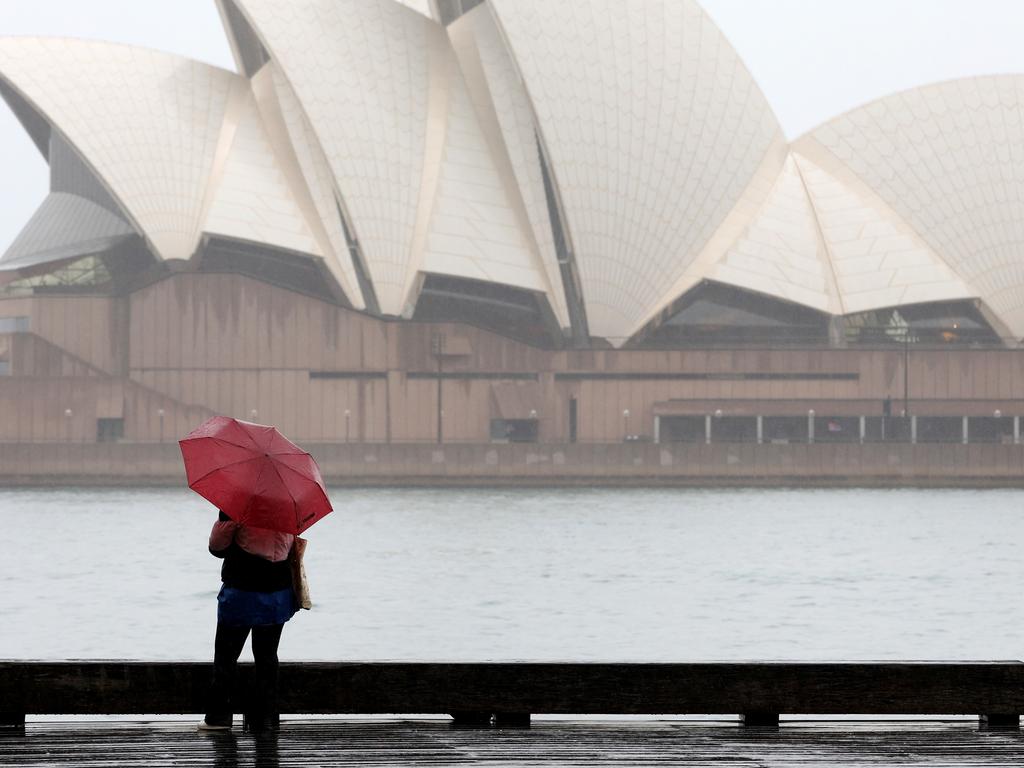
<point>337,742</point>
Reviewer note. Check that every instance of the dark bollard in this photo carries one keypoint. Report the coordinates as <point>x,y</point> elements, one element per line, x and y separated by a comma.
<point>12,723</point>
<point>471,719</point>
<point>760,719</point>
<point>512,719</point>
<point>999,722</point>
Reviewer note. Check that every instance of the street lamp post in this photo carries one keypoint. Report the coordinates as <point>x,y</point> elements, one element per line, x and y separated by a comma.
<point>160,413</point>
<point>437,344</point>
<point>67,421</point>
<point>348,415</point>
<point>810,425</point>
<point>625,420</point>
<point>906,372</point>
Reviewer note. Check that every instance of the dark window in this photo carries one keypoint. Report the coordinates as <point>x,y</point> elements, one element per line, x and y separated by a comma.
<point>453,9</point>
<point>734,429</point>
<point>940,429</point>
<point>355,251</point>
<point>785,429</point>
<point>988,429</point>
<point>937,324</point>
<point>109,430</point>
<point>836,429</point>
<point>250,49</point>
<point>511,312</point>
<point>682,429</point>
<point>713,314</point>
<point>286,269</point>
<point>514,430</point>
<point>888,429</point>
<point>563,252</point>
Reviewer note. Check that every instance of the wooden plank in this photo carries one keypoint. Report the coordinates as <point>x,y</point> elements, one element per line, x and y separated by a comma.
<point>888,688</point>
<point>435,742</point>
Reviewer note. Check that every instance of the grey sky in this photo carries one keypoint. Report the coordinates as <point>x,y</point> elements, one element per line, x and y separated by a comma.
<point>813,58</point>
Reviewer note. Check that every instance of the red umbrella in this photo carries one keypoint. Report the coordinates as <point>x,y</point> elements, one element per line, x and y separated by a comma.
<point>254,475</point>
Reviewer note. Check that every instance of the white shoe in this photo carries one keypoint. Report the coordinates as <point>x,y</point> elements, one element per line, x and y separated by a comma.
<point>205,726</point>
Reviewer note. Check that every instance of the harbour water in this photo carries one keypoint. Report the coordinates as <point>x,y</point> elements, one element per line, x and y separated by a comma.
<point>634,575</point>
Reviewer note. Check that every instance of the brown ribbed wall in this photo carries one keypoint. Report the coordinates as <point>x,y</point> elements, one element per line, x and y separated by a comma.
<point>199,343</point>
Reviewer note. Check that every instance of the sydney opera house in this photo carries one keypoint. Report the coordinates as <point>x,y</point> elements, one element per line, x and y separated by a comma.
<point>477,221</point>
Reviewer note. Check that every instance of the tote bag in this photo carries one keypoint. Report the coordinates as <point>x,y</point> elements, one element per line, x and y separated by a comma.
<point>300,584</point>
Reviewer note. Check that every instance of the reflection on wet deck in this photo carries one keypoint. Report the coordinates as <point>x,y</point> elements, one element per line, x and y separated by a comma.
<point>549,742</point>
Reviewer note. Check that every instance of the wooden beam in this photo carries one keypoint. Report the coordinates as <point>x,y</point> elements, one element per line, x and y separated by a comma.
<point>511,691</point>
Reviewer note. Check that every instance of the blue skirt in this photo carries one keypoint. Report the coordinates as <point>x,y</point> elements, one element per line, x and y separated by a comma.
<point>239,608</point>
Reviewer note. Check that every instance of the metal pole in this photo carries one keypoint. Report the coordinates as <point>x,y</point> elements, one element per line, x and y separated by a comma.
<point>906,372</point>
<point>439,352</point>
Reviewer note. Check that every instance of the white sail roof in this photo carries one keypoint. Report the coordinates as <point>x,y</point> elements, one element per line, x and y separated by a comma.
<point>654,129</point>
<point>147,123</point>
<point>362,72</point>
<point>608,155</point>
<point>782,253</point>
<point>252,200</point>
<point>503,108</point>
<point>877,260</point>
<point>474,231</point>
<point>948,159</point>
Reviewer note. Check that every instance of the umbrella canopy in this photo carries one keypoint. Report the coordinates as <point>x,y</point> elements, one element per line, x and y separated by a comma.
<point>254,475</point>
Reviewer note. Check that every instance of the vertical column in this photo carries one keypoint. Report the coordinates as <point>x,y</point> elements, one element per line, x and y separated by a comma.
<point>913,429</point>
<point>810,426</point>
<point>707,429</point>
<point>965,431</point>
<point>1016,430</point>
<point>863,429</point>
<point>657,429</point>
<point>760,430</point>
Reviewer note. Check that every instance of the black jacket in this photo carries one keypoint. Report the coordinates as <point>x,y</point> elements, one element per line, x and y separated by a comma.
<point>252,573</point>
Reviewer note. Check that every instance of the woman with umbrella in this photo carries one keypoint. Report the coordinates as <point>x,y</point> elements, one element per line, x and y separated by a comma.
<point>268,490</point>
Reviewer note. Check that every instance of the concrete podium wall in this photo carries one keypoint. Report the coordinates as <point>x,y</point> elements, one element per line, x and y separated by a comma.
<point>609,464</point>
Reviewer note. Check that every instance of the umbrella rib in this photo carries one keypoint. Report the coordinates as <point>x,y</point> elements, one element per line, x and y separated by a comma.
<point>295,504</point>
<point>221,440</point>
<point>293,469</point>
<point>301,476</point>
<point>256,485</point>
<point>223,466</point>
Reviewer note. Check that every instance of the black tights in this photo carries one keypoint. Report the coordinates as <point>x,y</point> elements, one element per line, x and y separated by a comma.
<point>261,706</point>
